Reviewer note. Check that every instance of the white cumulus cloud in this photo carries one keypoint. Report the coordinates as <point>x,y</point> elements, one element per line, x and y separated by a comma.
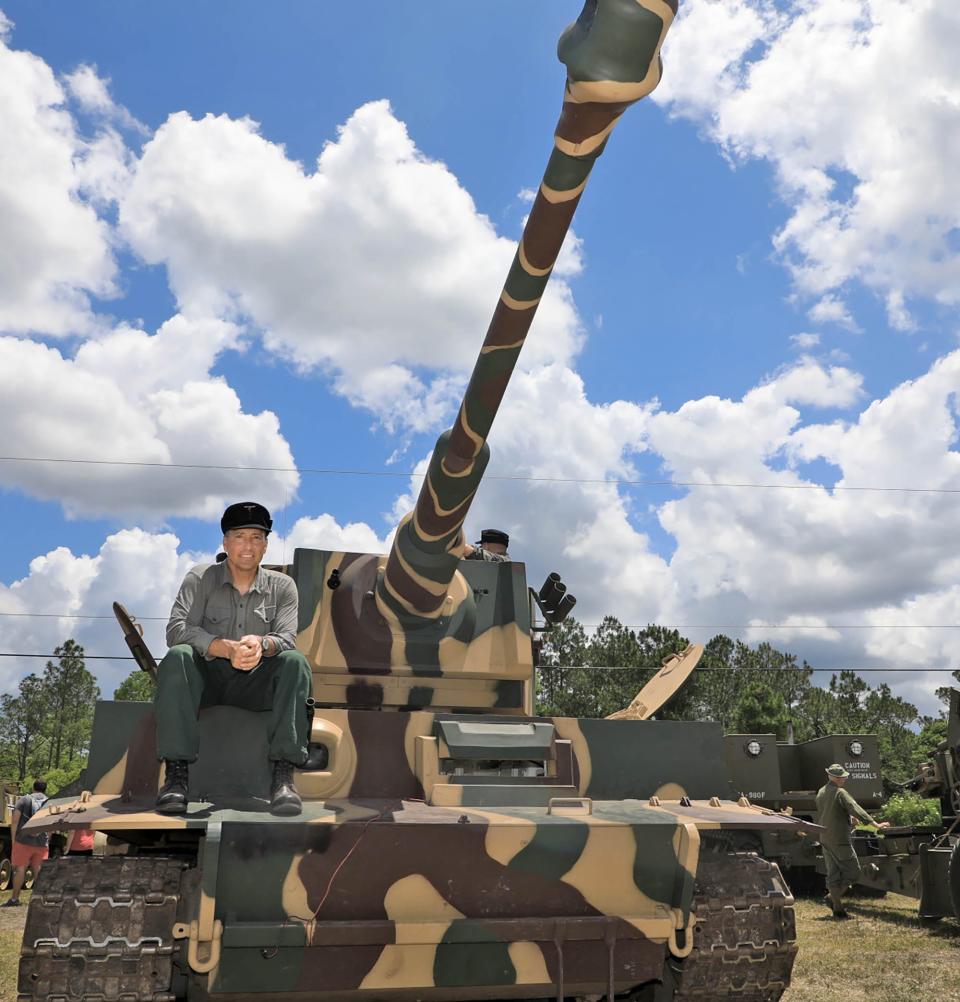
<point>131,398</point>
<point>374,266</point>
<point>856,104</point>
<point>55,250</point>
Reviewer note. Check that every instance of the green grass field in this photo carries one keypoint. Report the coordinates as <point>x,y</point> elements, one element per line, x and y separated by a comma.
<point>882,954</point>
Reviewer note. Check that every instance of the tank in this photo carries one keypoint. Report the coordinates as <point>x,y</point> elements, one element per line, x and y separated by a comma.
<point>452,845</point>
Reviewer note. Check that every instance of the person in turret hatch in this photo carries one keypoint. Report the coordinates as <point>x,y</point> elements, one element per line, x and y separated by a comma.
<point>231,634</point>
<point>492,547</point>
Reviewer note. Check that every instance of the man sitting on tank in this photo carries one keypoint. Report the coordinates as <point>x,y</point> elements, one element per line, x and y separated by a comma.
<point>231,635</point>
<point>492,547</point>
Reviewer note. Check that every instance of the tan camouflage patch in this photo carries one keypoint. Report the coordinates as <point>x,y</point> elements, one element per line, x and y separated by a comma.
<point>528,961</point>
<point>421,917</point>
<point>604,874</point>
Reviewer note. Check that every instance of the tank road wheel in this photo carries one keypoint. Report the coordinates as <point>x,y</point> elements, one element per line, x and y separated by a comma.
<point>28,879</point>
<point>744,940</point>
<point>6,872</point>
<point>101,928</point>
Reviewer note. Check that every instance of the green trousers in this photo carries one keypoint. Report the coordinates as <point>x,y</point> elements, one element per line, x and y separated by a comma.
<point>186,681</point>
<point>842,865</point>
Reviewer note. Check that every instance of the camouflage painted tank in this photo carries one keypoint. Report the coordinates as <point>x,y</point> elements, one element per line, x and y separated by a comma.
<point>452,845</point>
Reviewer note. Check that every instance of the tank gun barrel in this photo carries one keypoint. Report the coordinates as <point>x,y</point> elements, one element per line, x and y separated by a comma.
<point>612,56</point>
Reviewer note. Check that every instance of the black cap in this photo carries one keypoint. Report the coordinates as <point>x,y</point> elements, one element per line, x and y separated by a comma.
<point>494,536</point>
<point>246,515</point>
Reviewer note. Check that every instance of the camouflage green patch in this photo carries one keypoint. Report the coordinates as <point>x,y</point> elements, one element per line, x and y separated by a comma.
<point>419,697</point>
<point>564,172</point>
<point>469,955</point>
<point>656,870</point>
<point>616,43</point>
<point>509,695</point>
<point>553,850</point>
<point>523,286</point>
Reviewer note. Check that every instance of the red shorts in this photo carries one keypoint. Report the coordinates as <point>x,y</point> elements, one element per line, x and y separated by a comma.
<point>29,855</point>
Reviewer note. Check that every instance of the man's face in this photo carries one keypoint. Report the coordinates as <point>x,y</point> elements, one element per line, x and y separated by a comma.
<point>498,548</point>
<point>245,548</point>
<point>839,780</point>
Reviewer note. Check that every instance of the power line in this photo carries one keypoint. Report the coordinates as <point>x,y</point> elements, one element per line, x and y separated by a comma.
<point>84,656</point>
<point>615,481</point>
<point>589,626</point>
<point>73,615</point>
<point>800,668</point>
<point>702,667</point>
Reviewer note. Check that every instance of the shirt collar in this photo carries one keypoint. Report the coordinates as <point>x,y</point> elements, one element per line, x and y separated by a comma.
<point>259,582</point>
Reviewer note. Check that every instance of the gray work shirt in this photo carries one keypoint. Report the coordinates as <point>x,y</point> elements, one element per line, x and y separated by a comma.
<point>208,606</point>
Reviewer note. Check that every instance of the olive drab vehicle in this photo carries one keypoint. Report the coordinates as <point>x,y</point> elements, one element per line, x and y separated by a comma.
<point>785,776</point>
<point>921,862</point>
<point>451,846</point>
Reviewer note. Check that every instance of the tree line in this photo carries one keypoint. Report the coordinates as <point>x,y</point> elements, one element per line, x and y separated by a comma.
<point>45,727</point>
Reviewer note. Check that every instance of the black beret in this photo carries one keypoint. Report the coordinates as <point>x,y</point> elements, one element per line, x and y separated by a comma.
<point>494,536</point>
<point>246,515</point>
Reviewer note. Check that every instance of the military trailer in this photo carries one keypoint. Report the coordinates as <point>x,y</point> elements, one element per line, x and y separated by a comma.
<point>452,845</point>
<point>923,862</point>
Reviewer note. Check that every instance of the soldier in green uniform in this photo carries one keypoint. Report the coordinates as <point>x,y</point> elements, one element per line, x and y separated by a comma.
<point>835,807</point>
<point>232,632</point>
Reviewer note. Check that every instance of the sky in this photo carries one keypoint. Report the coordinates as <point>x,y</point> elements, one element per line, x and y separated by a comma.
<point>251,252</point>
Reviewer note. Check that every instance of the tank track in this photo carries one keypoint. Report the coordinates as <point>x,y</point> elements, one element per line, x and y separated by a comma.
<point>101,928</point>
<point>744,940</point>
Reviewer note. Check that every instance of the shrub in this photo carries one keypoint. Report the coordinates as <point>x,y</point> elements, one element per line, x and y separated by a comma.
<point>906,808</point>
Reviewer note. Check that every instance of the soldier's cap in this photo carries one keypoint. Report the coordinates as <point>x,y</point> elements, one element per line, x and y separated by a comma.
<point>837,770</point>
<point>494,536</point>
<point>246,515</point>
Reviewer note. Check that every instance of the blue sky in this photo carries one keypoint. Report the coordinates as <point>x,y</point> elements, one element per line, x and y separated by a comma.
<point>761,290</point>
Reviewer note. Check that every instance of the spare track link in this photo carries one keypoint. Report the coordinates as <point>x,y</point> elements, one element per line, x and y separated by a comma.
<point>744,940</point>
<point>101,928</point>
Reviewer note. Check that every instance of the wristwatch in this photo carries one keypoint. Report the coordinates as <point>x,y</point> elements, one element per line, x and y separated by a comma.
<point>263,646</point>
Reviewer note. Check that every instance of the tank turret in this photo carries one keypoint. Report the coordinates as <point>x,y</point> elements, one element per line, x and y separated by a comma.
<point>420,627</point>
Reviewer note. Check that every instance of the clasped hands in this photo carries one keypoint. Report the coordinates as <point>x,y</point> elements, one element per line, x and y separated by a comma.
<point>246,653</point>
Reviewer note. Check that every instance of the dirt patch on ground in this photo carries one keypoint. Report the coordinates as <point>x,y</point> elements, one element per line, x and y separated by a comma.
<point>13,918</point>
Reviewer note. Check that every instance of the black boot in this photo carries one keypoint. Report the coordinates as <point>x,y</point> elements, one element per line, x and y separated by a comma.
<point>172,798</point>
<point>284,799</point>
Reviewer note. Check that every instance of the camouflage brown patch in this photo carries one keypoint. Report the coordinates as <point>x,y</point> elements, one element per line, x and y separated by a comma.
<point>543,242</point>
<point>580,122</point>
<point>362,633</point>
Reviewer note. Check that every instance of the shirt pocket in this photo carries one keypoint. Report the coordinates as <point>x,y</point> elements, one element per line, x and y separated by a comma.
<point>218,612</point>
